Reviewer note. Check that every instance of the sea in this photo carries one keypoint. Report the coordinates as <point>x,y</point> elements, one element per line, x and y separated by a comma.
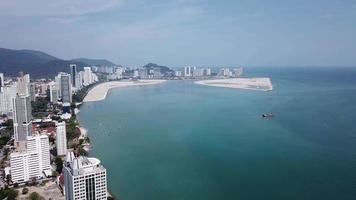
<point>183,141</point>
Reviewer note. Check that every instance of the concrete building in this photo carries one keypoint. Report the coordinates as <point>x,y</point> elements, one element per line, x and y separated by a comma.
<point>23,84</point>
<point>73,74</point>
<point>187,71</point>
<point>80,79</point>
<point>34,162</point>
<point>199,72</point>
<point>24,166</point>
<point>207,72</point>
<point>84,178</point>
<point>53,92</point>
<point>7,95</point>
<point>178,73</point>
<point>66,88</point>
<point>157,73</point>
<point>57,81</point>
<point>32,89</point>
<point>22,114</point>
<point>61,139</point>
<point>40,144</point>
<point>135,73</point>
<point>87,76</point>
<point>237,72</point>
<point>43,88</point>
<point>119,71</point>
<point>224,72</point>
<point>1,82</point>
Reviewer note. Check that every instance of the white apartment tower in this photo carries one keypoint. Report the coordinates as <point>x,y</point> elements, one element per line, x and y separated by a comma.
<point>6,98</point>
<point>61,139</point>
<point>40,144</point>
<point>87,76</point>
<point>187,71</point>
<point>84,178</point>
<point>1,82</point>
<point>53,92</point>
<point>32,162</point>
<point>23,84</point>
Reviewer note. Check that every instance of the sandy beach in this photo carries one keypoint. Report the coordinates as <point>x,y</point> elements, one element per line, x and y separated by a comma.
<point>259,84</point>
<point>100,91</point>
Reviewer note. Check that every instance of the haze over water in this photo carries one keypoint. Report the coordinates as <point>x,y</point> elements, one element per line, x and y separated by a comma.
<point>179,140</point>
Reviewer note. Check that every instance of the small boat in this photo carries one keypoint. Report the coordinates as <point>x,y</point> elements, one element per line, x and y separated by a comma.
<point>267,115</point>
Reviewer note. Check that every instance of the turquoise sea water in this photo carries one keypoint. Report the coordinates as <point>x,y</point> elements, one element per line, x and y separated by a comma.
<point>181,141</point>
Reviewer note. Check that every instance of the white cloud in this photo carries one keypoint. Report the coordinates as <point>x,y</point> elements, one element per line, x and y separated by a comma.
<point>55,7</point>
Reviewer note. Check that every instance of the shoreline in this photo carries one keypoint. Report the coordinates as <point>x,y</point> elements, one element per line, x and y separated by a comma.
<point>257,84</point>
<point>99,92</point>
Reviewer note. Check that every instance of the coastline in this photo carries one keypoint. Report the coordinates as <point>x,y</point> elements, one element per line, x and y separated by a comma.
<point>257,84</point>
<point>99,92</point>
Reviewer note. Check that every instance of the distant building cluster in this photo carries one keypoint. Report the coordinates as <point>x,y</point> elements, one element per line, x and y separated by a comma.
<point>198,73</point>
<point>65,84</point>
<point>30,154</point>
<point>188,72</point>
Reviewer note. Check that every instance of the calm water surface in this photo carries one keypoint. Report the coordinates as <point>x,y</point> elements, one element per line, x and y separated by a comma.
<point>181,141</point>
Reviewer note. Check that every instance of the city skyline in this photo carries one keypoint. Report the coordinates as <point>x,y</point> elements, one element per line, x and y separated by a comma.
<point>186,32</point>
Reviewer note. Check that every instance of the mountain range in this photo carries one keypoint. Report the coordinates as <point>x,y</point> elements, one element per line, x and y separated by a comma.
<point>40,64</point>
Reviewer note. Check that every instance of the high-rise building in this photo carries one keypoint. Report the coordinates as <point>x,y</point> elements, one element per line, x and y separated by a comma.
<point>119,71</point>
<point>7,95</point>
<point>31,162</point>
<point>207,72</point>
<point>224,72</point>
<point>22,118</point>
<point>61,139</point>
<point>32,89</point>
<point>66,88</point>
<point>187,71</point>
<point>143,73</point>
<point>87,76</point>
<point>237,72</point>
<point>157,72</point>
<point>74,74</point>
<point>40,144</point>
<point>53,92</point>
<point>1,82</point>
<point>135,74</point>
<point>24,166</point>
<point>198,72</point>
<point>23,84</point>
<point>84,178</point>
<point>178,73</point>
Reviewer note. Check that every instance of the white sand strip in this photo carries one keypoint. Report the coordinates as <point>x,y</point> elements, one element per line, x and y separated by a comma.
<point>259,84</point>
<point>100,91</point>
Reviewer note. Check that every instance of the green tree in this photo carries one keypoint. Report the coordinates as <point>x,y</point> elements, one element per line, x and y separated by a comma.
<point>35,196</point>
<point>11,193</point>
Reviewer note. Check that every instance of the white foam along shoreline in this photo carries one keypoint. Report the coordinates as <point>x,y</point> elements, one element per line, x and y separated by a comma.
<point>259,84</point>
<point>100,91</point>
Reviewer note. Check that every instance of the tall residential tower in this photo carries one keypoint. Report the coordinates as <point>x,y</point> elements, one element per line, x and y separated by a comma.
<point>84,178</point>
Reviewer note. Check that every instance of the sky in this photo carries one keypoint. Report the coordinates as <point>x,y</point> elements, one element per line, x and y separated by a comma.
<point>186,32</point>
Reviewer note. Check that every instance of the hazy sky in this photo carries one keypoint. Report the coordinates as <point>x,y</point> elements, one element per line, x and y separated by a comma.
<point>186,32</point>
